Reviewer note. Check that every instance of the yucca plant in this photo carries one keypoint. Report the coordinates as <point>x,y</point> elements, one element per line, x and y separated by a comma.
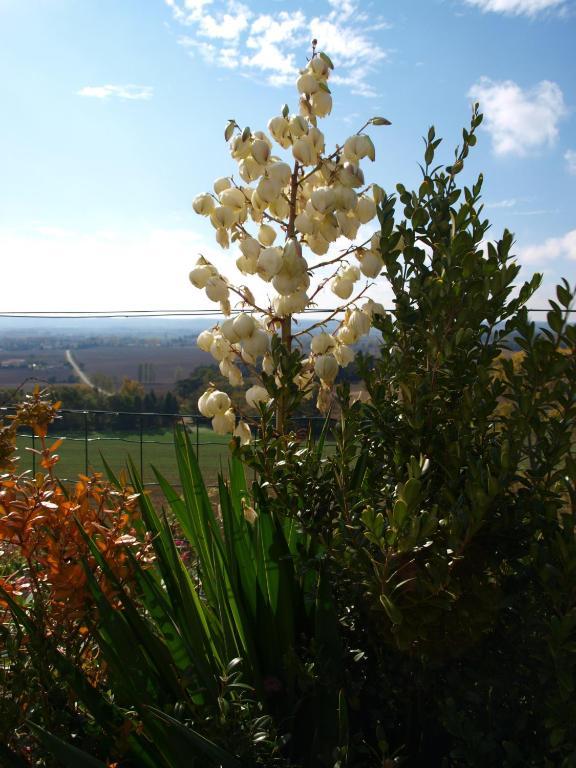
<point>221,662</point>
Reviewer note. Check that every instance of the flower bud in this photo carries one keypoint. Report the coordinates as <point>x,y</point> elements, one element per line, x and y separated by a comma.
<point>326,368</point>
<point>257,394</point>
<point>203,204</point>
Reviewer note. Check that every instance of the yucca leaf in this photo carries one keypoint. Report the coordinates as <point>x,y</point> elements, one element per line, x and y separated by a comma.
<point>200,745</point>
<point>69,756</point>
<point>142,629</point>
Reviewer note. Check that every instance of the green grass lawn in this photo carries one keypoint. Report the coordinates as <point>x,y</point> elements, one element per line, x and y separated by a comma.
<point>78,455</point>
<point>157,450</point>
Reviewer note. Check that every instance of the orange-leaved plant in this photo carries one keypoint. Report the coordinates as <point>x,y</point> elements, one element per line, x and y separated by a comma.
<point>46,525</point>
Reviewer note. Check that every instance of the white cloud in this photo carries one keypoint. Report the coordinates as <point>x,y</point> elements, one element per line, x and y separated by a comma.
<point>551,250</point>
<point>229,34</point>
<point>519,121</point>
<point>126,92</point>
<point>570,157</point>
<point>510,203</point>
<point>517,7</point>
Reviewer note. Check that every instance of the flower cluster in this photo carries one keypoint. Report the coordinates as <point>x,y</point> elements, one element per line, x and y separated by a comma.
<point>275,212</point>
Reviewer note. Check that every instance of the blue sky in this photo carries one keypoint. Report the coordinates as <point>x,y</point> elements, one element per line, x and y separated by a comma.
<point>113,111</point>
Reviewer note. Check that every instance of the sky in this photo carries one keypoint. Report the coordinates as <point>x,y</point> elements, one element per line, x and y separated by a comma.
<point>112,115</point>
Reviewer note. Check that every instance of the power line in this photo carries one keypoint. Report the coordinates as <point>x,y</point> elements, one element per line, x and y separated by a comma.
<point>142,313</point>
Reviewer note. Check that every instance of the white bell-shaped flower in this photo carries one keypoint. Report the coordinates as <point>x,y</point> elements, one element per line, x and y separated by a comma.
<point>217,288</point>
<point>322,343</point>
<point>326,368</point>
<point>221,184</point>
<point>343,355</point>
<point>257,394</point>
<point>269,262</point>
<point>204,340</point>
<point>257,344</point>
<point>224,423</point>
<point>266,235</point>
<point>366,209</point>
<point>203,204</point>
<point>244,325</point>
<point>243,432</point>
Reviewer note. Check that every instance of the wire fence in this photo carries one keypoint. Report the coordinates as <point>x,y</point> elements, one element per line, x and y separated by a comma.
<point>146,439</point>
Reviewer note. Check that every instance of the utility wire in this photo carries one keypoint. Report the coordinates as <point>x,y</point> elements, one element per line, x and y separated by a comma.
<point>135,313</point>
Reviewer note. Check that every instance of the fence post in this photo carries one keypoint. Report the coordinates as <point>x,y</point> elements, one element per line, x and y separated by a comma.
<point>141,449</point>
<point>86,442</point>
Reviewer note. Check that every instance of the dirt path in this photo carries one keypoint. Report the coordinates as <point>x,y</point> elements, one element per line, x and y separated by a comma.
<point>81,375</point>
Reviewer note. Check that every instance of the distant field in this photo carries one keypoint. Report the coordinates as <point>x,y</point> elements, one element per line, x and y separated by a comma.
<point>169,363</point>
<point>157,450</point>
